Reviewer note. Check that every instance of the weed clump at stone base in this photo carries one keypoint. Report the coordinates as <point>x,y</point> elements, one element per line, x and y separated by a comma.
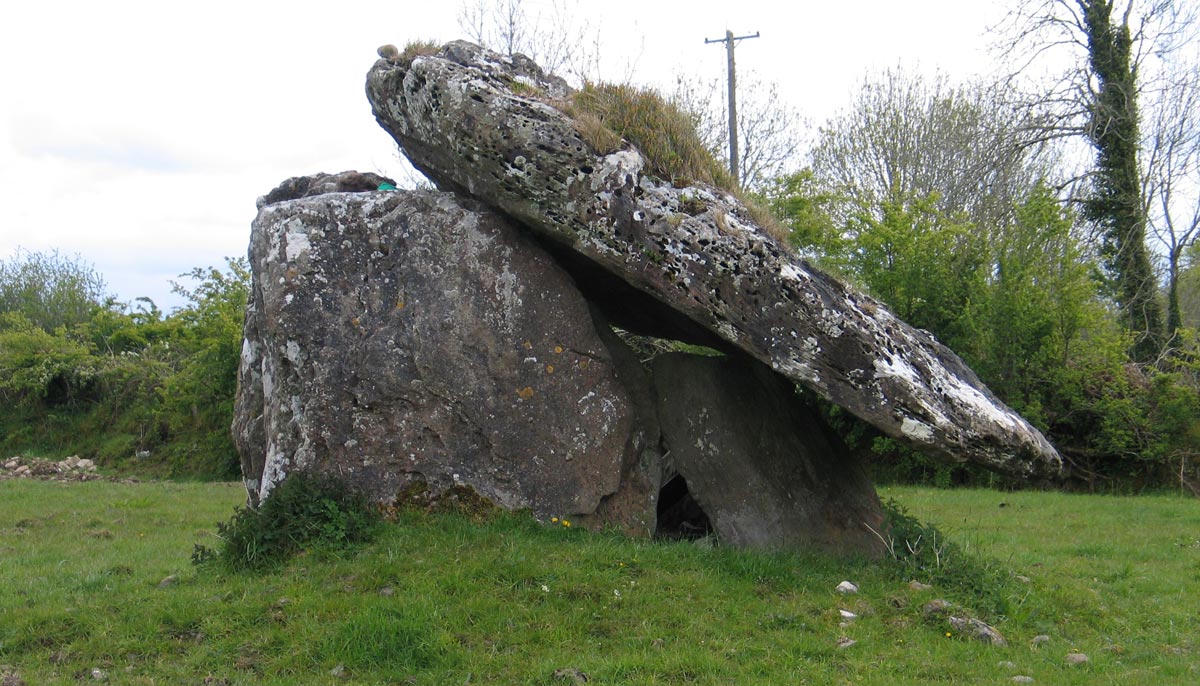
<point>918,550</point>
<point>304,512</point>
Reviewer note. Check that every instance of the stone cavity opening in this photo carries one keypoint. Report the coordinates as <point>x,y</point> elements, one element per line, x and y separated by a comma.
<point>679,515</point>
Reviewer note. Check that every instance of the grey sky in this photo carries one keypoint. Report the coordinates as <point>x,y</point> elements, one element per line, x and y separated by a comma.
<point>138,134</point>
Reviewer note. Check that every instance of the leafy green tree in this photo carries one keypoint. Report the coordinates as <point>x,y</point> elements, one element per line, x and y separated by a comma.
<point>805,208</point>
<point>41,369</point>
<point>200,395</point>
<point>924,265</point>
<point>49,289</point>
<point>1041,299</point>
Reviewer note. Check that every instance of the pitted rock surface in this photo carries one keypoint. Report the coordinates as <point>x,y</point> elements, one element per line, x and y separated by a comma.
<point>413,343</point>
<point>693,251</point>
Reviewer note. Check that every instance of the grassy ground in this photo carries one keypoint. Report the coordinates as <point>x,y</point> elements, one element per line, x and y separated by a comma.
<point>441,599</point>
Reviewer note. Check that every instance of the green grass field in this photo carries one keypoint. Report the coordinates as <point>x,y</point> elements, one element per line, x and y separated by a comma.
<point>440,599</point>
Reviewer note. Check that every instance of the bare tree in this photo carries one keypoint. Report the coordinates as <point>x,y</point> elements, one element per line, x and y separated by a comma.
<point>1172,177</point>
<point>907,137</point>
<point>772,135</point>
<point>1114,52</point>
<point>553,38</point>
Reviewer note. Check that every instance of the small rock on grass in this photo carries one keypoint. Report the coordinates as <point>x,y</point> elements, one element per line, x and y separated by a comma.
<point>10,677</point>
<point>168,581</point>
<point>571,674</point>
<point>1006,664</point>
<point>978,630</point>
<point>1022,679</point>
<point>1076,658</point>
<point>1038,640</point>
<point>918,586</point>
<point>847,588</point>
<point>936,608</point>
<point>845,642</point>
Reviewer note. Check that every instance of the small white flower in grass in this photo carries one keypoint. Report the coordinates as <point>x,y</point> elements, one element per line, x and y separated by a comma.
<point>545,588</point>
<point>616,593</point>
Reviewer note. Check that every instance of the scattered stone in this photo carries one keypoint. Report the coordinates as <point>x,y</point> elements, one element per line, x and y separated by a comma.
<point>845,642</point>
<point>1022,679</point>
<point>978,630</point>
<point>1076,658</point>
<point>657,643</point>
<point>338,672</point>
<point>168,581</point>
<point>387,591</point>
<point>937,608</point>
<point>918,586</point>
<point>73,468</point>
<point>847,588</point>
<point>1006,664</point>
<point>1038,640</point>
<point>1023,579</point>
<point>10,677</point>
<point>99,675</point>
<point>846,614</point>
<point>571,674</point>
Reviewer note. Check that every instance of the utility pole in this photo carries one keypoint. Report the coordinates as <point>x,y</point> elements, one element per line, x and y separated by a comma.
<point>729,40</point>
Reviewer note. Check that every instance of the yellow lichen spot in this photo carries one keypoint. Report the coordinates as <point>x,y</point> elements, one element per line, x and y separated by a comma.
<point>584,364</point>
<point>528,345</point>
<point>549,369</point>
<point>400,304</point>
<point>354,322</point>
<point>558,350</point>
<point>525,393</point>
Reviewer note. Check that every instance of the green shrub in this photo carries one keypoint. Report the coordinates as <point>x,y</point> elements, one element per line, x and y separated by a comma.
<point>304,511</point>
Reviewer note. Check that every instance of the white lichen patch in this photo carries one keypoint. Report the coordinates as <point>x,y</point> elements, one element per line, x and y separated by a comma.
<point>296,240</point>
<point>617,169</point>
<point>916,430</point>
<point>293,353</point>
<point>791,272</point>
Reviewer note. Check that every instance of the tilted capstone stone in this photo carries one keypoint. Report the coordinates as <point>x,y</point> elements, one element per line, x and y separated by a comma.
<point>486,125</point>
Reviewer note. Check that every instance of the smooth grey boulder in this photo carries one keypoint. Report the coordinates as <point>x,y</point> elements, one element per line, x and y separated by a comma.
<point>689,260</point>
<point>762,465</point>
<point>415,344</point>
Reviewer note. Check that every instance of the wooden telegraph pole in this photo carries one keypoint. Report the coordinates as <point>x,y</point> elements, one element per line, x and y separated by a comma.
<point>729,40</point>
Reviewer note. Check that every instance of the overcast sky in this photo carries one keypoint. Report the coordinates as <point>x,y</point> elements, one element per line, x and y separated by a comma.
<point>138,134</point>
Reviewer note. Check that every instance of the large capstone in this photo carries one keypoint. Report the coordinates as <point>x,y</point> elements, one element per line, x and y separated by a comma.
<point>686,262</point>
